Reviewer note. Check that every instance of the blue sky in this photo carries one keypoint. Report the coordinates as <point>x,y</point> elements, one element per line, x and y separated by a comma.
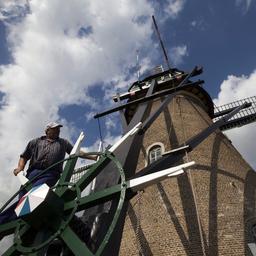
<point>63,60</point>
<point>225,43</point>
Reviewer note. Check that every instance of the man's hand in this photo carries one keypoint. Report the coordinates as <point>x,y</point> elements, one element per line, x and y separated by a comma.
<point>21,165</point>
<point>17,170</point>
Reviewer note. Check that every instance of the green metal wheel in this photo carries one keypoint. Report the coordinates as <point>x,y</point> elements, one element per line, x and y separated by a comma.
<point>52,220</point>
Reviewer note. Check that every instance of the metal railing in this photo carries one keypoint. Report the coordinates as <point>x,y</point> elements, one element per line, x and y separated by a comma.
<point>243,117</point>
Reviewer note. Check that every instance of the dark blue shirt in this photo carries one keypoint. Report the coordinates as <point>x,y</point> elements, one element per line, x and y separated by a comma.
<point>43,153</point>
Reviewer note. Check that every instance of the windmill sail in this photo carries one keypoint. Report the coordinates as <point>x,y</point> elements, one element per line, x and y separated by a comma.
<point>244,117</point>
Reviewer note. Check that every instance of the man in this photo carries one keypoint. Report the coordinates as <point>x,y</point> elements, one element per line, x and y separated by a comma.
<point>42,153</point>
<point>45,151</point>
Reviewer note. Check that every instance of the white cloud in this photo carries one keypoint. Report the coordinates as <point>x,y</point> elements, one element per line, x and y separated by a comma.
<point>199,24</point>
<point>107,140</point>
<point>235,88</point>
<point>193,23</point>
<point>178,53</point>
<point>15,9</point>
<point>110,123</point>
<point>245,4</point>
<point>174,7</point>
<point>53,67</point>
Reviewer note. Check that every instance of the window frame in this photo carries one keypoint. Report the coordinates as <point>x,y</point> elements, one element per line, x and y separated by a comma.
<point>152,146</point>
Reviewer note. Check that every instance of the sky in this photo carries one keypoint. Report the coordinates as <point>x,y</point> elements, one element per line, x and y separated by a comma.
<point>64,60</point>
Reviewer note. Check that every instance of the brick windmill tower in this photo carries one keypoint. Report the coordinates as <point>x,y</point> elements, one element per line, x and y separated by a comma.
<point>207,210</point>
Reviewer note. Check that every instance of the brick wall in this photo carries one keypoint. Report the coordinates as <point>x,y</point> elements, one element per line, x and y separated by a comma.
<point>207,211</point>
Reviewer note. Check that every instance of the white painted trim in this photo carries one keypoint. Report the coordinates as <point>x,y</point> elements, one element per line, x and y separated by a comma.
<point>252,247</point>
<point>150,179</point>
<point>150,147</point>
<point>93,183</point>
<point>133,131</point>
<point>22,178</point>
<point>77,146</point>
<point>175,150</point>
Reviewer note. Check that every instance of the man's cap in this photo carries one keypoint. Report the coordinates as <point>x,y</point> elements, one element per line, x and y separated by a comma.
<point>53,125</point>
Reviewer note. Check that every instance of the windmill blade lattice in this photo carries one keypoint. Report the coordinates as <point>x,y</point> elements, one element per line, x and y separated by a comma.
<point>244,117</point>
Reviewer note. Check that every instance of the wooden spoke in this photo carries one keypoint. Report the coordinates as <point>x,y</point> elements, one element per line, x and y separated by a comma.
<point>94,199</point>
<point>74,243</point>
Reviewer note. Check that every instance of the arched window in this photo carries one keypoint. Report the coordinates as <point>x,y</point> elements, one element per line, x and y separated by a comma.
<point>154,153</point>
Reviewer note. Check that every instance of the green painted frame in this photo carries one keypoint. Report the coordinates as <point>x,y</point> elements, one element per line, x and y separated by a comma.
<point>71,193</point>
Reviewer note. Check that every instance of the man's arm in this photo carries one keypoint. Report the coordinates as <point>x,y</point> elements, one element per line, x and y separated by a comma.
<point>21,165</point>
<point>82,154</point>
<point>85,155</point>
<point>25,156</point>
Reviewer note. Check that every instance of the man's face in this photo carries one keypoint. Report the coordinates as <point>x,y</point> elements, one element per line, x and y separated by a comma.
<point>53,133</point>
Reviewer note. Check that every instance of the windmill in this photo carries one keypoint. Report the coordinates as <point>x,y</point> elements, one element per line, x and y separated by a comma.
<point>172,133</point>
<point>184,122</point>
